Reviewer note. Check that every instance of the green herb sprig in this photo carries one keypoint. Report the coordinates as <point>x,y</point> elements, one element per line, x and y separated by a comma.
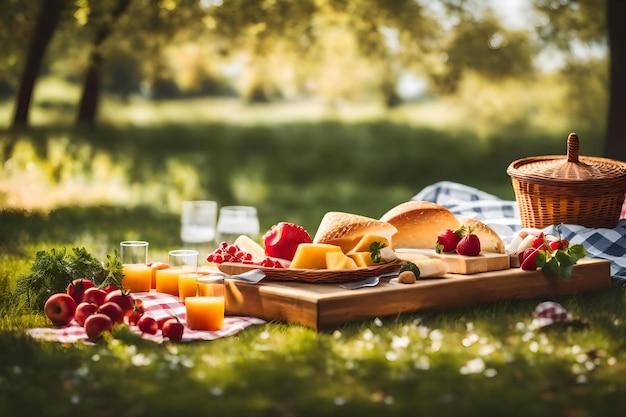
<point>52,271</point>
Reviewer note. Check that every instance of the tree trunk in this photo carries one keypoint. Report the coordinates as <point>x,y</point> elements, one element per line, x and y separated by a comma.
<point>615,146</point>
<point>47,21</point>
<point>88,107</point>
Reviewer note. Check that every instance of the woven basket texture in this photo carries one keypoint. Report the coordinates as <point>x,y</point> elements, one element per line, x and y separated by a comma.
<point>571,189</point>
<point>320,276</point>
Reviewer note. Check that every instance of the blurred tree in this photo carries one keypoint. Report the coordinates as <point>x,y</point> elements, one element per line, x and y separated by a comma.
<point>15,31</point>
<point>104,23</point>
<point>593,23</point>
<point>261,29</point>
<point>45,25</point>
<point>483,45</point>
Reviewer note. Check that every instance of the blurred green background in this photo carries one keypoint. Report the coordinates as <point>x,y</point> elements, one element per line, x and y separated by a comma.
<point>296,107</point>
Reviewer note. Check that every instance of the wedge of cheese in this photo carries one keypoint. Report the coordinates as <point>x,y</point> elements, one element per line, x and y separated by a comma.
<point>313,255</point>
<point>364,244</point>
<point>339,260</point>
<point>431,267</point>
<point>362,259</point>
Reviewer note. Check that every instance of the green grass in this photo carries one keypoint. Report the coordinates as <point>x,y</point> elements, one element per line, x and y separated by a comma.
<point>66,187</point>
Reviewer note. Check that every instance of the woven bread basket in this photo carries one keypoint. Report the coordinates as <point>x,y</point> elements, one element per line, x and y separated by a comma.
<point>571,189</point>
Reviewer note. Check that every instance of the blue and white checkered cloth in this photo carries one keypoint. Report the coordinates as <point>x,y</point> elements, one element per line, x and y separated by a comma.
<point>504,218</point>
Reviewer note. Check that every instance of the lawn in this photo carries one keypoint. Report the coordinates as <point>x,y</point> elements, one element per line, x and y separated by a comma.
<point>124,180</point>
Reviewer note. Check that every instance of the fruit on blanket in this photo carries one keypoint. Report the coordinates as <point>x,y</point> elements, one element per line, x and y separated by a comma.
<point>96,324</point>
<point>60,309</point>
<point>77,288</point>
<point>94,295</point>
<point>110,288</point>
<point>173,329</point>
<point>123,298</point>
<point>161,320</point>
<point>138,311</point>
<point>448,239</point>
<point>84,310</point>
<point>282,240</point>
<point>113,311</point>
<point>469,245</point>
<point>148,324</point>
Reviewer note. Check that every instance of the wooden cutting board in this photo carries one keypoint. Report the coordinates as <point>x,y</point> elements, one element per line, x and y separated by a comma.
<point>459,264</point>
<point>324,306</point>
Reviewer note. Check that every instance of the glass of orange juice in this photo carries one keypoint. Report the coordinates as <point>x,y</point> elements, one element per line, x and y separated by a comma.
<point>181,262</point>
<point>187,285</point>
<point>137,275</point>
<point>206,312</point>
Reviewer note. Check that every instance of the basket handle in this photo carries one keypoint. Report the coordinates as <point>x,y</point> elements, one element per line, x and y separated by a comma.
<point>572,147</point>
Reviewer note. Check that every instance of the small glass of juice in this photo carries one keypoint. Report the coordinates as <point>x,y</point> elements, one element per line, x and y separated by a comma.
<point>206,312</point>
<point>137,275</point>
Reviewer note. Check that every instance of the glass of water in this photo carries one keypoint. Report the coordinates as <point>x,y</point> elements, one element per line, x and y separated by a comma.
<point>234,221</point>
<point>198,221</point>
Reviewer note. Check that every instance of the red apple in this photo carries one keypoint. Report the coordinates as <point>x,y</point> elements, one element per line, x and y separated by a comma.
<point>282,240</point>
<point>110,288</point>
<point>60,308</point>
<point>84,310</point>
<point>147,324</point>
<point>94,295</point>
<point>173,329</point>
<point>77,287</point>
<point>138,311</point>
<point>124,299</point>
<point>96,324</point>
<point>113,311</point>
<point>162,320</point>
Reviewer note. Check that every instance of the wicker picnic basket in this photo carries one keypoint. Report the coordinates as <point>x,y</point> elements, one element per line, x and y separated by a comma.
<point>571,189</point>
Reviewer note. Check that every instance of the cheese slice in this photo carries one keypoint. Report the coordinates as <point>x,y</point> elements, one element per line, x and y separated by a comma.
<point>339,260</point>
<point>312,255</point>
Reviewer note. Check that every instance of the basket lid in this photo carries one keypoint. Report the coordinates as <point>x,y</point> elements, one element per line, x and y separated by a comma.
<point>570,168</point>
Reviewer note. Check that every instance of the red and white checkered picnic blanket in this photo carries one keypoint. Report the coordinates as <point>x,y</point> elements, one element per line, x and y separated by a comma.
<point>157,305</point>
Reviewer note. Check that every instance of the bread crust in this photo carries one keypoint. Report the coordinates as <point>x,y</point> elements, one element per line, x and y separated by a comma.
<point>418,224</point>
<point>490,241</point>
<point>346,229</point>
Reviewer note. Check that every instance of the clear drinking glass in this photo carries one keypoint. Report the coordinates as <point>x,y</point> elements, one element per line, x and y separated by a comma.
<point>234,221</point>
<point>182,261</point>
<point>197,220</point>
<point>137,275</point>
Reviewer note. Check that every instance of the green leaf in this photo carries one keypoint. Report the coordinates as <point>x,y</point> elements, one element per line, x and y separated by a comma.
<point>375,248</point>
<point>577,252</point>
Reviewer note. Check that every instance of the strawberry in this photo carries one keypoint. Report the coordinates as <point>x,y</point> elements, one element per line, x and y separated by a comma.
<point>469,245</point>
<point>282,240</point>
<point>448,239</point>
<point>527,259</point>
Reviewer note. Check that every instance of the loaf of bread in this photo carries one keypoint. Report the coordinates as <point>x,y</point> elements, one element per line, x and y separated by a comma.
<point>490,241</point>
<point>346,230</point>
<point>418,223</point>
